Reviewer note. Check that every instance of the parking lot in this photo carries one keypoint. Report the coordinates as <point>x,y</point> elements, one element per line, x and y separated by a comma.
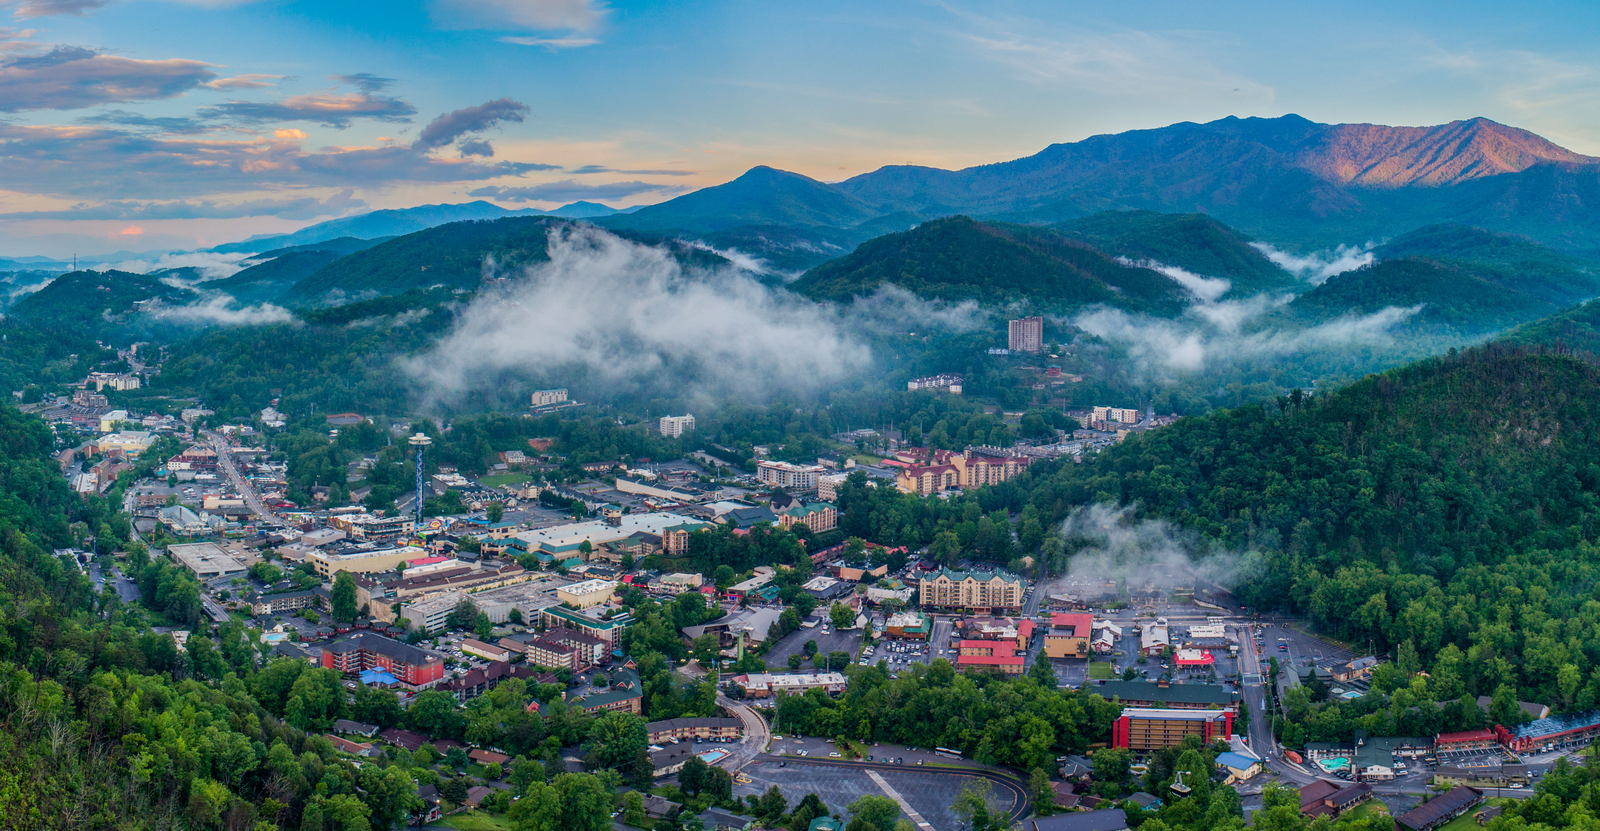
<point>794,643</point>
<point>1302,647</point>
<point>929,794</point>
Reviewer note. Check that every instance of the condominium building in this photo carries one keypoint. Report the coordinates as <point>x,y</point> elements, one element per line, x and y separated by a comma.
<point>411,665</point>
<point>971,590</point>
<point>543,652</point>
<point>818,516</point>
<point>547,398</point>
<point>942,470</point>
<point>722,727</point>
<point>790,477</point>
<point>1139,728</point>
<point>1026,335</point>
<point>675,426</point>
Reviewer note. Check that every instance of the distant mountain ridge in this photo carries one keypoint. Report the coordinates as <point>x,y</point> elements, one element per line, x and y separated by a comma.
<point>1287,179</point>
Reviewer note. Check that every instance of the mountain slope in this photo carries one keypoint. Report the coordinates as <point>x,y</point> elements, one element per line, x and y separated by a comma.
<point>93,302</point>
<point>762,196</point>
<point>265,281</point>
<point>1380,156</point>
<point>1576,329</point>
<point>959,258</point>
<point>459,255</point>
<point>1195,242</point>
<point>1452,295</point>
<point>386,223</point>
<point>1509,261</point>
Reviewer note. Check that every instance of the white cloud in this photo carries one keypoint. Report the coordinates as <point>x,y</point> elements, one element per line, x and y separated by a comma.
<point>1316,267</point>
<point>1164,346</point>
<point>553,44</point>
<point>621,312</point>
<point>211,266</point>
<point>538,15</point>
<point>219,309</point>
<point>1164,66</point>
<point>1206,289</point>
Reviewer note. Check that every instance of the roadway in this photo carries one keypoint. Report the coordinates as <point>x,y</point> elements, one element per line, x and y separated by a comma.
<point>240,485</point>
<point>756,734</point>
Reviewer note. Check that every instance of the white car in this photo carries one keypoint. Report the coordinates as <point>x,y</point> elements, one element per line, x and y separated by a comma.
<point>834,754</point>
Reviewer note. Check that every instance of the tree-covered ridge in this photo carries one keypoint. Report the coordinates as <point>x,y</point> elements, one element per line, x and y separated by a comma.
<point>461,255</point>
<point>1196,242</point>
<point>1430,467</point>
<point>1576,328</point>
<point>1441,511</point>
<point>1454,297</point>
<point>960,258</point>
<point>94,302</point>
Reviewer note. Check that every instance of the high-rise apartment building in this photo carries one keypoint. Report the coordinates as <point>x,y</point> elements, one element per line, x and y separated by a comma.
<point>675,426</point>
<point>1027,335</point>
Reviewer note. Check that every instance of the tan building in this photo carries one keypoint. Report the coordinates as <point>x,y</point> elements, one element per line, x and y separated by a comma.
<point>543,652</point>
<point>971,590</point>
<point>586,594</point>
<point>659,732</point>
<point>365,562</point>
<point>675,540</point>
<point>944,470</point>
<point>1068,635</point>
<point>491,652</point>
<point>818,516</point>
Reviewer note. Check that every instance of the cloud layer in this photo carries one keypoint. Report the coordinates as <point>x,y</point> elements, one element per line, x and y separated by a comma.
<point>56,77</point>
<point>571,190</point>
<point>618,313</point>
<point>1316,267</point>
<point>453,125</point>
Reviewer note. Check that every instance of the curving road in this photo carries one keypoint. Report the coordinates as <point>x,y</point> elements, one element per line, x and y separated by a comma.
<point>756,734</point>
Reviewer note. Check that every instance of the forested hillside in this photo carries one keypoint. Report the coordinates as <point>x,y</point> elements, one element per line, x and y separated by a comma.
<point>1512,262</point>
<point>90,303</point>
<point>1195,242</point>
<point>960,258</point>
<point>1454,297</point>
<point>1441,511</point>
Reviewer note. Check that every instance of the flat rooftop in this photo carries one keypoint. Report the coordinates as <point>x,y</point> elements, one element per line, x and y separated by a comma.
<point>206,559</point>
<point>563,538</point>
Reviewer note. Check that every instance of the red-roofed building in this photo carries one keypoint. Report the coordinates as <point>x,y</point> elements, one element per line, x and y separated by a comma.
<point>999,655</point>
<point>1194,658</point>
<point>1466,740</point>
<point>1068,635</point>
<point>426,561</point>
<point>1008,664</point>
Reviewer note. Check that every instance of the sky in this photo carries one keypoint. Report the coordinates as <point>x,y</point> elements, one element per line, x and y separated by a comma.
<point>151,125</point>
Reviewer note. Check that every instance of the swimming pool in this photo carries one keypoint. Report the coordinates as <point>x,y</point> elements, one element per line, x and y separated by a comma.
<point>712,757</point>
<point>1331,765</point>
<point>275,637</point>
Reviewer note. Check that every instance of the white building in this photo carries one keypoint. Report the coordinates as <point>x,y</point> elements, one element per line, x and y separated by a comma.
<point>828,485</point>
<point>548,398</point>
<point>947,383</point>
<point>676,426</point>
<point>790,477</point>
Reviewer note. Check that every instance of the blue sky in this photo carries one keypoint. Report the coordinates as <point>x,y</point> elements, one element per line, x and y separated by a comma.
<point>150,124</point>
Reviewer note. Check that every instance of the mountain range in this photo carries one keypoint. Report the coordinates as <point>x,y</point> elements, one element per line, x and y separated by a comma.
<point>1289,179</point>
